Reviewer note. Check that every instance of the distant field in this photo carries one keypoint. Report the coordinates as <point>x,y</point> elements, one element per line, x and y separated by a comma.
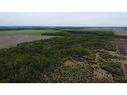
<point>10,38</point>
<point>11,41</point>
<point>120,32</point>
<point>24,32</point>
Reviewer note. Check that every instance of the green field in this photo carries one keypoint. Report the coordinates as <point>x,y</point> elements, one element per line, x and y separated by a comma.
<point>45,60</point>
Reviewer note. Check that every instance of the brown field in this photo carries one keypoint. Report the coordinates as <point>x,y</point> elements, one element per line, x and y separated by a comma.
<point>10,41</point>
<point>120,32</point>
<point>13,37</point>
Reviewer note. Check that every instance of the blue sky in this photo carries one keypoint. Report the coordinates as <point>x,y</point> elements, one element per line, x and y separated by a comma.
<point>63,19</point>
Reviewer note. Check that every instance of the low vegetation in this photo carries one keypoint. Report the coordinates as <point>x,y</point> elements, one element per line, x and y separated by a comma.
<point>43,60</point>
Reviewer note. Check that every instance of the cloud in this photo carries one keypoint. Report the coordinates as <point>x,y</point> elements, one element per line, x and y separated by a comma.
<point>63,19</point>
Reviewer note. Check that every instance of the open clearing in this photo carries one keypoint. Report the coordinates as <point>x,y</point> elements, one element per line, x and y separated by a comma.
<point>11,38</point>
<point>10,41</point>
<point>120,32</point>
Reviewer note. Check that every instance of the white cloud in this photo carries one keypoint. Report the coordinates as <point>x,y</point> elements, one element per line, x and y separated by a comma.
<point>64,19</point>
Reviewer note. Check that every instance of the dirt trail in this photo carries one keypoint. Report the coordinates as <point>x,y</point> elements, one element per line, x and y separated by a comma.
<point>121,42</point>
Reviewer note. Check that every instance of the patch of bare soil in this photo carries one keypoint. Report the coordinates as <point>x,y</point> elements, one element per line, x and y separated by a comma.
<point>120,32</point>
<point>10,41</point>
<point>69,62</point>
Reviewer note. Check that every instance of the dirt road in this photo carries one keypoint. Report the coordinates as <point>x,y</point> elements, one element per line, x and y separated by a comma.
<point>121,42</point>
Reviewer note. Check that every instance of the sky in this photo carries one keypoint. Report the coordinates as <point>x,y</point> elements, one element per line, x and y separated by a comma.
<point>103,19</point>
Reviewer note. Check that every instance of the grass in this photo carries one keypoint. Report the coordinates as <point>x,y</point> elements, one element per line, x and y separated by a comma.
<point>42,61</point>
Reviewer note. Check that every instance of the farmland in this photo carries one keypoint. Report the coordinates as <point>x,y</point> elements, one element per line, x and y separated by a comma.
<point>10,38</point>
<point>71,56</point>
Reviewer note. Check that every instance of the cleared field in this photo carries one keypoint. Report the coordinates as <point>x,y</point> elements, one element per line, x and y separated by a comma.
<point>10,41</point>
<point>120,32</point>
<point>11,38</point>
